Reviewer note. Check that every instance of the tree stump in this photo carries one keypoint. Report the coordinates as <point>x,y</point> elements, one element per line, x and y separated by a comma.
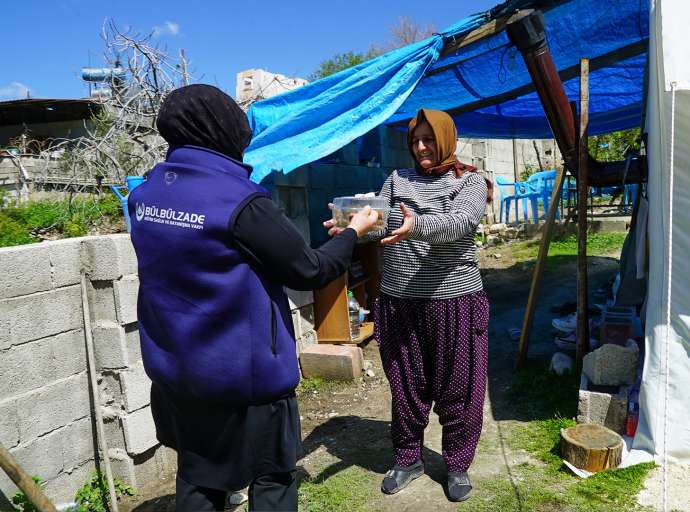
<point>591,447</point>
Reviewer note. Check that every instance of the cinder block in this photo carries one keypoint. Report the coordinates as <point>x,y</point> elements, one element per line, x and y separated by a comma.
<point>123,467</point>
<point>332,362</point>
<point>605,409</point>
<point>108,257</point>
<point>133,343</point>
<point>110,345</point>
<point>61,489</point>
<point>133,387</point>
<point>78,443</point>
<point>102,301</point>
<point>65,261</point>
<point>42,456</point>
<point>69,354</point>
<point>25,270</point>
<point>139,431</point>
<point>39,315</point>
<point>53,406</point>
<point>9,424</point>
<point>126,292</point>
<point>30,366</point>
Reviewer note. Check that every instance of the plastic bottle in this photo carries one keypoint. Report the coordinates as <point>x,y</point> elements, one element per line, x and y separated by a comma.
<point>633,413</point>
<point>353,308</point>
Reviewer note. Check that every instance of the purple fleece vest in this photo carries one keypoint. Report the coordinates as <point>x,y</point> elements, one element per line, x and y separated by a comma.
<point>211,327</point>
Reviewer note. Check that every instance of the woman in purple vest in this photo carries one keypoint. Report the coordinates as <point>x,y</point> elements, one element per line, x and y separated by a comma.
<point>432,315</point>
<point>214,253</point>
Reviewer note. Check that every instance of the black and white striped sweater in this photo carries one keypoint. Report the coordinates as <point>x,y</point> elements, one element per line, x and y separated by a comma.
<point>438,260</point>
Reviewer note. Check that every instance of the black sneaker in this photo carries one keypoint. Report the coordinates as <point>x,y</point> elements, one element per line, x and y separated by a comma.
<point>398,478</point>
<point>458,487</point>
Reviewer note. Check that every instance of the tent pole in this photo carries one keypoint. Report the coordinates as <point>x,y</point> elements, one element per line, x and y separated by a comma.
<point>539,268</point>
<point>582,196</point>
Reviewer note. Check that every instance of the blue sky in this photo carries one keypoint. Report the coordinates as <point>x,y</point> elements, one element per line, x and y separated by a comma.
<point>46,43</point>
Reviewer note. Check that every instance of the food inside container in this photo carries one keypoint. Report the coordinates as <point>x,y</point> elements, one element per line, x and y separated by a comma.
<point>344,208</point>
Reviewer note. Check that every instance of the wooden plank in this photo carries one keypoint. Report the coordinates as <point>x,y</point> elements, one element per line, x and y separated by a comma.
<point>582,195</point>
<point>486,30</point>
<point>331,317</point>
<point>539,268</point>
<point>22,480</point>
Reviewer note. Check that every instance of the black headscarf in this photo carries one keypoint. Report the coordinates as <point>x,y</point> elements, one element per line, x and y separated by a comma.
<point>203,115</point>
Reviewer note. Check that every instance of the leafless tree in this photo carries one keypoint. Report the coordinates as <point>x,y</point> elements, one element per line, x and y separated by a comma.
<point>121,137</point>
<point>406,31</point>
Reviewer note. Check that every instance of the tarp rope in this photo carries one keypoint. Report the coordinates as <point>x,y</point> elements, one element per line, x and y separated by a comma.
<point>664,461</point>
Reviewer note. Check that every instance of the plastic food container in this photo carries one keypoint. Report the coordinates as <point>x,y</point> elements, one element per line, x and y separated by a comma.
<point>345,207</point>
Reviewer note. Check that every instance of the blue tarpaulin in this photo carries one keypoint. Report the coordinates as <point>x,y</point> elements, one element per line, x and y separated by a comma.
<point>484,85</point>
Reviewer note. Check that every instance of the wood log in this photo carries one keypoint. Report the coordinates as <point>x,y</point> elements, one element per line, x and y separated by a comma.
<point>591,447</point>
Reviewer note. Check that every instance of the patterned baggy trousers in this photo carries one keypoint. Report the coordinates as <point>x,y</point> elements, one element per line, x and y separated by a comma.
<point>435,351</point>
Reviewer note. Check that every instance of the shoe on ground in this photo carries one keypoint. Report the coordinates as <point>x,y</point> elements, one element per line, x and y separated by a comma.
<point>458,487</point>
<point>399,477</point>
<point>566,323</point>
<point>568,342</point>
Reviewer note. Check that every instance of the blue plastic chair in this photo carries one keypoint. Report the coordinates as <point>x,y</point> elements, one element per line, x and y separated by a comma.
<point>132,183</point>
<point>542,183</point>
<point>520,190</point>
<point>507,189</point>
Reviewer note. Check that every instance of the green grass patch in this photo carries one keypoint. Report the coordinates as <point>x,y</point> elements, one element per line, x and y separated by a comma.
<point>563,247</point>
<point>530,488</point>
<point>312,384</point>
<point>64,218</point>
<point>349,490</point>
<point>549,402</point>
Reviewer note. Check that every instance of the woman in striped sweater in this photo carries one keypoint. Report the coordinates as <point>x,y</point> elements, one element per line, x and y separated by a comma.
<point>432,315</point>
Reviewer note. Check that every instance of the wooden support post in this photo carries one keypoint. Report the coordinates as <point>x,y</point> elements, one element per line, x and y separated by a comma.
<point>582,194</point>
<point>539,269</point>
<point>22,480</point>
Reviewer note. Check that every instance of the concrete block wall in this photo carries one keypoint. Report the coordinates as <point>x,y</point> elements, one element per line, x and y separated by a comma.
<point>45,408</point>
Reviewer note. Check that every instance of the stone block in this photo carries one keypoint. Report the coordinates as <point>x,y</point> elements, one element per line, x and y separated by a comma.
<point>612,365</point>
<point>9,424</point>
<point>126,291</point>
<point>30,366</point>
<point>25,270</point>
<point>65,261</point>
<point>110,345</point>
<point>53,406</point>
<point>500,228</point>
<point>108,257</point>
<point>139,431</point>
<point>608,409</point>
<point>123,466</point>
<point>36,316</point>
<point>332,362</point>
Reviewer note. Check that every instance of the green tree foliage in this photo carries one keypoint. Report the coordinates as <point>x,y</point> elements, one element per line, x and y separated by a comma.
<point>342,61</point>
<point>404,32</point>
<point>611,147</point>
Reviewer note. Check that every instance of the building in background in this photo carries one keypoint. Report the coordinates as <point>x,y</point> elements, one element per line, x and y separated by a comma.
<point>258,84</point>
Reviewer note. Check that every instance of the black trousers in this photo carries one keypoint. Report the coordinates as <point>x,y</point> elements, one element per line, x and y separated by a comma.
<point>269,493</point>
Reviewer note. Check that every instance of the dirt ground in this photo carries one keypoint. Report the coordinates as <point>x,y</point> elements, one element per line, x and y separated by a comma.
<point>346,426</point>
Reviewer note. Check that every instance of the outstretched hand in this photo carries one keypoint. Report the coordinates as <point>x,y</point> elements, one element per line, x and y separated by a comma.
<point>403,231</point>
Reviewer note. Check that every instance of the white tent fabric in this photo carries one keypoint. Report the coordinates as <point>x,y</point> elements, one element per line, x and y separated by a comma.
<point>664,428</point>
